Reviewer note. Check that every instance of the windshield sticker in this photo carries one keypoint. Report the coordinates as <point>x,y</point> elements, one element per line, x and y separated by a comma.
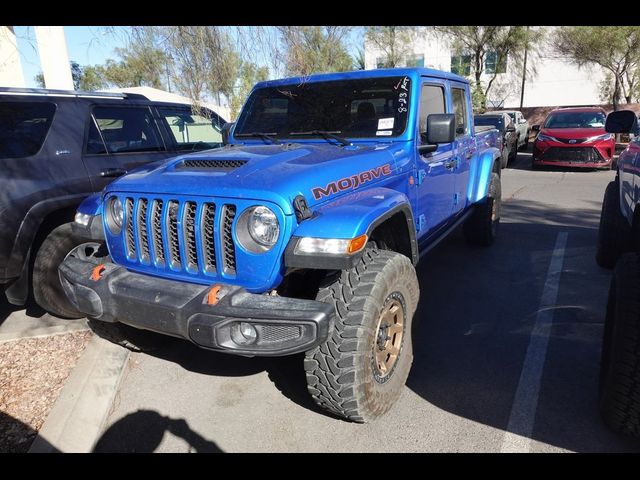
<point>384,133</point>
<point>402,96</point>
<point>385,123</point>
<point>352,182</point>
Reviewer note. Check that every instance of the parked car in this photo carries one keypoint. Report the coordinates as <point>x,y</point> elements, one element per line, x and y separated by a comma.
<point>58,147</point>
<point>522,126</point>
<point>618,244</point>
<point>302,234</point>
<point>574,137</point>
<point>509,137</point>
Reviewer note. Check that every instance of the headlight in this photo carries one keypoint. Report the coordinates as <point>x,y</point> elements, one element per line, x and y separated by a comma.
<point>258,229</point>
<point>115,215</point>
<point>606,136</point>
<point>546,138</point>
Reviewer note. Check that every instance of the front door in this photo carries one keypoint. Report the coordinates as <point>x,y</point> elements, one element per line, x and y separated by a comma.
<point>434,177</point>
<point>120,138</point>
<point>464,146</point>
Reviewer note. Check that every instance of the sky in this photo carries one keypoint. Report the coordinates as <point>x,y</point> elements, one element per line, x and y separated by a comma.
<point>91,45</point>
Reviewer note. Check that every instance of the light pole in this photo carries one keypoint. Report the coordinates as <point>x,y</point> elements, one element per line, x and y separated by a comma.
<point>524,67</point>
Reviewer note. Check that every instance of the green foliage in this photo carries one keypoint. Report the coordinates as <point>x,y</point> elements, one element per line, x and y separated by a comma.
<point>315,49</point>
<point>358,60</point>
<point>614,48</point>
<point>86,78</point>
<point>250,74</point>
<point>393,42</point>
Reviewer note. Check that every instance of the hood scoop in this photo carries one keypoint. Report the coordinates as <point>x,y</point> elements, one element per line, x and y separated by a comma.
<point>210,164</point>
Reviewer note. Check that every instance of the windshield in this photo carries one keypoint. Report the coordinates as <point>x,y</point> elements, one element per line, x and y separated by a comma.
<point>361,108</point>
<point>495,122</point>
<point>575,120</point>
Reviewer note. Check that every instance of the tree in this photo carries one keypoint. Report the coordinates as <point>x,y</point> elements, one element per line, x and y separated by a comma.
<point>480,42</point>
<point>250,74</point>
<point>358,60</point>
<point>85,78</point>
<point>616,49</point>
<point>314,49</point>
<point>393,42</point>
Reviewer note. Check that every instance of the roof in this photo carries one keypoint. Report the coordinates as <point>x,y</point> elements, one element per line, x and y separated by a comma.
<point>578,109</point>
<point>68,93</point>
<point>376,73</point>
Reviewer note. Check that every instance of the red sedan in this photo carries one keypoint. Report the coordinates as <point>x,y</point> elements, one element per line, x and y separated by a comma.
<point>574,137</point>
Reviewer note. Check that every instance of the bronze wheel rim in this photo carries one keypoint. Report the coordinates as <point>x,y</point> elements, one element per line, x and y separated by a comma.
<point>388,337</point>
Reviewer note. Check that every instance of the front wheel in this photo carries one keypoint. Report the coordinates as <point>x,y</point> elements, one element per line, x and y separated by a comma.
<point>614,233</point>
<point>481,228</point>
<point>360,371</point>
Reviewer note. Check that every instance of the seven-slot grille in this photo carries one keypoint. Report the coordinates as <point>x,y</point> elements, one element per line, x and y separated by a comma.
<point>180,234</point>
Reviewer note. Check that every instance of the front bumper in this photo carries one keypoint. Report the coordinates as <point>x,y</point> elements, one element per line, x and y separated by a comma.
<point>592,155</point>
<point>283,325</point>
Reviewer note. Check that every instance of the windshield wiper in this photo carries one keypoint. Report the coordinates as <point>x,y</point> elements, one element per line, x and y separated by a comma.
<point>271,136</point>
<point>326,134</point>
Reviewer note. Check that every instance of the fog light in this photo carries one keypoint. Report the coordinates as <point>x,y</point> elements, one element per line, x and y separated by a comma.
<point>243,333</point>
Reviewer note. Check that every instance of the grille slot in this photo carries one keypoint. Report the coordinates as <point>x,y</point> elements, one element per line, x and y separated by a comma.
<point>189,229</point>
<point>204,164</point>
<point>172,230</point>
<point>278,333</point>
<point>156,223</point>
<point>208,238</point>
<point>131,243</point>
<point>229,249</point>
<point>142,230</point>
<point>572,155</point>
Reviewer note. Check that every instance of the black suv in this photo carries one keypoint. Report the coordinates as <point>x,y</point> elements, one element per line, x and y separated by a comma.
<point>56,148</point>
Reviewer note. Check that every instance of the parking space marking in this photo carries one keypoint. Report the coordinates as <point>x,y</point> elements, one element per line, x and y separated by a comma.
<point>517,438</point>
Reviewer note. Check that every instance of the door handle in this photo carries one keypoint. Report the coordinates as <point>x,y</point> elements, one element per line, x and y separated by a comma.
<point>450,165</point>
<point>469,154</point>
<point>113,172</point>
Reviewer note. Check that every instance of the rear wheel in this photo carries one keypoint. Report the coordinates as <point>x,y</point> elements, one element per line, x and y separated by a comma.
<point>620,361</point>
<point>482,226</point>
<point>614,233</point>
<point>360,371</point>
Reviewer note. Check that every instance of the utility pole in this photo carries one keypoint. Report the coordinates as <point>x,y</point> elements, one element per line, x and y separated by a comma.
<point>524,67</point>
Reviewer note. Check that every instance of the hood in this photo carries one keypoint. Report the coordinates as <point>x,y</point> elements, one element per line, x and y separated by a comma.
<point>276,173</point>
<point>568,133</point>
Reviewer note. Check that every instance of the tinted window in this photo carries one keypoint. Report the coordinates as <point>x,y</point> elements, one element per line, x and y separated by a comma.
<point>191,130</point>
<point>369,107</point>
<point>575,120</point>
<point>460,109</point>
<point>124,129</point>
<point>513,116</point>
<point>431,101</point>
<point>23,127</point>
<point>495,122</point>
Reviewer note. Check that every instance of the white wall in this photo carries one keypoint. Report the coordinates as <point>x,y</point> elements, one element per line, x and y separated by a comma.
<point>10,67</point>
<point>557,82</point>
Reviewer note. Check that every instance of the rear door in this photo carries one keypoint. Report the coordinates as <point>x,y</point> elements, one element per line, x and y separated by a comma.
<point>464,146</point>
<point>119,139</point>
<point>434,174</point>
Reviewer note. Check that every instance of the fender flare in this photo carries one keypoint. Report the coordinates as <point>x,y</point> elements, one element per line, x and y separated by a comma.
<point>480,175</point>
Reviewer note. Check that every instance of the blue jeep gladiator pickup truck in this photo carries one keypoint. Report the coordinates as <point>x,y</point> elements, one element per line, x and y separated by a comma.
<point>301,234</point>
<point>619,247</point>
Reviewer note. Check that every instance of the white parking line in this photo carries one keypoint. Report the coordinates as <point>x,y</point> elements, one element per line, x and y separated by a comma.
<point>517,438</point>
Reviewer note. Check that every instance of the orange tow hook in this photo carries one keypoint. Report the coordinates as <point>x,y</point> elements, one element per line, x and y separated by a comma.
<point>212,296</point>
<point>96,273</point>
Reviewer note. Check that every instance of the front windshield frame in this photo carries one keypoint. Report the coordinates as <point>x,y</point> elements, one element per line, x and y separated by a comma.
<point>335,106</point>
<point>575,120</point>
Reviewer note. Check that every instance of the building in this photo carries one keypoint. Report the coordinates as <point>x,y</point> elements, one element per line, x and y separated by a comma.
<point>557,82</point>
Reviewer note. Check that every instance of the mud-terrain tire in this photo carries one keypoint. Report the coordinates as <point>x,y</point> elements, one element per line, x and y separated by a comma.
<point>620,361</point>
<point>614,233</point>
<point>47,289</point>
<point>360,371</point>
<point>482,226</point>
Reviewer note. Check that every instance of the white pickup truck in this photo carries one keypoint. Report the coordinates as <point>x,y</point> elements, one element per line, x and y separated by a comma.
<point>522,127</point>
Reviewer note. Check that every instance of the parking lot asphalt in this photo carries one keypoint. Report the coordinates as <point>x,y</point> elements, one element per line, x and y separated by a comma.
<point>506,353</point>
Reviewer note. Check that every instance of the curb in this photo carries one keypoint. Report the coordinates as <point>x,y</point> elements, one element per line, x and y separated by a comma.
<point>44,331</point>
<point>76,419</point>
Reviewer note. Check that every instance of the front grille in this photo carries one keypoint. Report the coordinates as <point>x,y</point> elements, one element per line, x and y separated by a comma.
<point>180,234</point>
<point>571,141</point>
<point>278,333</point>
<point>212,164</point>
<point>572,155</point>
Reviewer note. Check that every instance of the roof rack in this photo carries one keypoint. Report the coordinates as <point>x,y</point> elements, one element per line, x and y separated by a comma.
<point>66,93</point>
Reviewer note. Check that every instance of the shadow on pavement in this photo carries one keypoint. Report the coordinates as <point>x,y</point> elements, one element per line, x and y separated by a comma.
<point>143,431</point>
<point>15,435</point>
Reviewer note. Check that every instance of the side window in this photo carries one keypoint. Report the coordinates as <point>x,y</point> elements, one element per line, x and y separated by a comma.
<point>124,130</point>
<point>191,130</point>
<point>431,101</point>
<point>23,127</point>
<point>460,109</point>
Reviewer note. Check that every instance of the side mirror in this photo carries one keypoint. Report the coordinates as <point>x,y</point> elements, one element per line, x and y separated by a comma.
<point>522,120</point>
<point>535,128</point>
<point>622,121</point>
<point>441,128</point>
<point>226,130</point>
<point>511,128</point>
